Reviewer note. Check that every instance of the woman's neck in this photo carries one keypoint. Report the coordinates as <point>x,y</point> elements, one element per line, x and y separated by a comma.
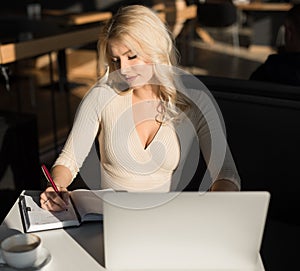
<point>146,92</point>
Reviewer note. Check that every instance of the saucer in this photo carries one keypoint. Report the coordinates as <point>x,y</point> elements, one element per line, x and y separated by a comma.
<point>43,259</point>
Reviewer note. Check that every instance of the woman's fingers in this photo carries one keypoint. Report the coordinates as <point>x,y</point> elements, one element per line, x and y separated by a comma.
<point>44,204</point>
<point>64,194</point>
<point>52,201</point>
<point>52,206</point>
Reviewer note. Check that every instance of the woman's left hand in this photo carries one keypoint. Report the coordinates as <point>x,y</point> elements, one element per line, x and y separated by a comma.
<point>224,185</point>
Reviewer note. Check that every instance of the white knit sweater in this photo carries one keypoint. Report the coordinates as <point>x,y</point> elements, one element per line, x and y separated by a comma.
<point>125,163</point>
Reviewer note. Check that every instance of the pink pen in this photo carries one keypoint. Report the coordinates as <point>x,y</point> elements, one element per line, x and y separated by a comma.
<point>49,178</point>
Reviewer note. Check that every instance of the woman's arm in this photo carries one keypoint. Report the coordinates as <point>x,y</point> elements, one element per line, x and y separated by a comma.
<point>61,176</point>
<point>79,142</point>
<point>213,144</point>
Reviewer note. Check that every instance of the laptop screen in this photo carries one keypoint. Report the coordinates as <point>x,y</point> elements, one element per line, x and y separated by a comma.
<point>186,230</point>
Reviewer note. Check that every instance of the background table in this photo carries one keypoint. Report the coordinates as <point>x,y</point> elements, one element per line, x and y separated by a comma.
<point>23,38</point>
<point>264,19</point>
<point>51,33</point>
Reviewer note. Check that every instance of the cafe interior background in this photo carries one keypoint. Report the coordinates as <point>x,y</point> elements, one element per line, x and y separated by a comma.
<point>39,94</point>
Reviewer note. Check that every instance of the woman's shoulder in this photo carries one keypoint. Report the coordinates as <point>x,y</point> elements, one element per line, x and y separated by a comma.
<point>100,91</point>
<point>98,96</point>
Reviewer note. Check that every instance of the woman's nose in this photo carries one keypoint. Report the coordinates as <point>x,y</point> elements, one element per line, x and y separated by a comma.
<point>124,67</point>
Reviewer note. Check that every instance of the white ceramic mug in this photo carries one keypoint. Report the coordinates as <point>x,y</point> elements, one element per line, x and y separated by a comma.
<point>20,250</point>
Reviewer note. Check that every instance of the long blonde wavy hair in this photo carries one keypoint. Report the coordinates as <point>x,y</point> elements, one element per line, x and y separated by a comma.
<point>142,31</point>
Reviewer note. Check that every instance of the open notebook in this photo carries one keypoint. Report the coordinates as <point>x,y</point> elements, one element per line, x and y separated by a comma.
<point>182,231</point>
<point>85,205</point>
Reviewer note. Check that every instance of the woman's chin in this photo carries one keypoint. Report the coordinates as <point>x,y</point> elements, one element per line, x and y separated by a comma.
<point>136,84</point>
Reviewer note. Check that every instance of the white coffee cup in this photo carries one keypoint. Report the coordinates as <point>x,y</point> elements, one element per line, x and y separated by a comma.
<point>20,250</point>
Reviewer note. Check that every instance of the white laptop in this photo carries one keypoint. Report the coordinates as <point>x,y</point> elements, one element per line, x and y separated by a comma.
<point>184,231</point>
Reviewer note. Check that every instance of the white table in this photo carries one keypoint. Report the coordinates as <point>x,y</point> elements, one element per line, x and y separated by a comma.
<point>71,249</point>
<point>79,248</point>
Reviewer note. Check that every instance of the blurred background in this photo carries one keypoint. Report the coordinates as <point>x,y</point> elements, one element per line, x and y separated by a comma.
<point>48,61</point>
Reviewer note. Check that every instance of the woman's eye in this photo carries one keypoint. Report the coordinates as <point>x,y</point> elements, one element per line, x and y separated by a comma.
<point>132,57</point>
<point>115,60</point>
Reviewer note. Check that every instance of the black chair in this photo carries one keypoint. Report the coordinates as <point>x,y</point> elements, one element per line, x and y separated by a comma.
<point>220,16</point>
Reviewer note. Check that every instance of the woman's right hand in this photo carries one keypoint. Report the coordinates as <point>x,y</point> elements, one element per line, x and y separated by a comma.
<point>53,201</point>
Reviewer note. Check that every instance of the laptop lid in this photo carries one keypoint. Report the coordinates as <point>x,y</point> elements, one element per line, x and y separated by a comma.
<point>186,230</point>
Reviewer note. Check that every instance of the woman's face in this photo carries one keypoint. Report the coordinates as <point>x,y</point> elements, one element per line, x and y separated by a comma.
<point>135,70</point>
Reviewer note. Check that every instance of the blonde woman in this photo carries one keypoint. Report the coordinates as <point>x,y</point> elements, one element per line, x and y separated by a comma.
<point>143,117</point>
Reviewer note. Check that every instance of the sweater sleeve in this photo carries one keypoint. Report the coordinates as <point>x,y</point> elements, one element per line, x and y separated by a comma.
<point>210,129</point>
<point>85,128</point>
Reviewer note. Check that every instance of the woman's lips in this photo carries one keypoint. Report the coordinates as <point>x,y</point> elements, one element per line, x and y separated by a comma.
<point>130,79</point>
